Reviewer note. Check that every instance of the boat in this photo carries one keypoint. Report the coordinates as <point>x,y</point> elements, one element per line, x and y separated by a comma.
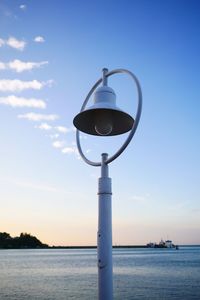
<point>163,244</point>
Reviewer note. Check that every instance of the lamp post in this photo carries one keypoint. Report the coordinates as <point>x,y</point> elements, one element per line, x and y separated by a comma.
<point>104,118</point>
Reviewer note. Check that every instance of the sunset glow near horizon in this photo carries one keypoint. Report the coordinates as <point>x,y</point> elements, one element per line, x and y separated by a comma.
<point>51,54</point>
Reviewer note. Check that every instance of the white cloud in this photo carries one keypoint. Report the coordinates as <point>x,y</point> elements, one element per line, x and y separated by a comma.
<point>20,66</point>
<point>58,144</point>
<point>39,39</point>
<point>23,6</point>
<point>62,129</point>
<point>38,117</point>
<point>14,101</point>
<point>54,136</point>
<point>70,150</point>
<point>16,44</point>
<point>16,85</point>
<point>44,126</point>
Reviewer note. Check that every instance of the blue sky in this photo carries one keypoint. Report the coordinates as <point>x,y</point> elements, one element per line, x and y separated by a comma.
<point>51,53</point>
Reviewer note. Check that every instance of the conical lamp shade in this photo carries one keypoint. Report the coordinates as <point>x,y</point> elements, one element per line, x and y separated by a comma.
<point>103,118</point>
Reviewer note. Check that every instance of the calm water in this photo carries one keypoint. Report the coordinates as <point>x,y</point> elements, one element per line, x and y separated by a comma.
<point>72,274</point>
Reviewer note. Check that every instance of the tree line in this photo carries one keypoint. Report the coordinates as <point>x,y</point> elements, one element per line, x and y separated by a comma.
<point>25,240</point>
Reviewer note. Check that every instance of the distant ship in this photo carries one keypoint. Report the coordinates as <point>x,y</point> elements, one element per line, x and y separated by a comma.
<point>162,244</point>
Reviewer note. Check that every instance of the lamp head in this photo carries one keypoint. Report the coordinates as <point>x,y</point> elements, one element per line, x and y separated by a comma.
<point>103,118</point>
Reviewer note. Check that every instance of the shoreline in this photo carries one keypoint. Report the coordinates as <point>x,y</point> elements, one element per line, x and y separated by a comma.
<point>93,247</point>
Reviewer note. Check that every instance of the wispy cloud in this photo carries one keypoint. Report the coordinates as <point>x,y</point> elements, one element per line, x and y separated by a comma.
<point>66,149</point>
<point>15,101</point>
<point>32,185</point>
<point>64,129</point>
<point>58,144</point>
<point>23,7</point>
<point>21,66</point>
<point>180,206</point>
<point>58,128</point>
<point>39,39</point>
<point>140,198</point>
<point>54,136</point>
<point>38,117</point>
<point>70,150</point>
<point>37,186</point>
<point>16,85</point>
<point>44,126</point>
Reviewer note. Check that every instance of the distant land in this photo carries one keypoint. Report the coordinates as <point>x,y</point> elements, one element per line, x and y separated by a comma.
<point>24,241</point>
<point>28,241</point>
<point>94,247</point>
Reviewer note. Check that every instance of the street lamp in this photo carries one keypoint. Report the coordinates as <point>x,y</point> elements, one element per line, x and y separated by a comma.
<point>104,118</point>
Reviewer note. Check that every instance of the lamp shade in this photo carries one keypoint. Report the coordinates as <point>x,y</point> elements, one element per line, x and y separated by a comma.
<point>104,118</point>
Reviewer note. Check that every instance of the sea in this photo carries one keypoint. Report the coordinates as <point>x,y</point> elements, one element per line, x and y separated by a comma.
<point>138,273</point>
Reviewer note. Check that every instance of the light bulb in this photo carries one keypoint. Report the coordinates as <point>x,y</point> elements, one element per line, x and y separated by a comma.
<point>103,123</point>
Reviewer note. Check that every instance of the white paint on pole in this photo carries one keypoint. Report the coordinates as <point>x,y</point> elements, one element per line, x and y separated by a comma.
<point>104,235</point>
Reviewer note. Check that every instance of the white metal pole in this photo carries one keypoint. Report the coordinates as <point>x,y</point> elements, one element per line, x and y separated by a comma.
<point>104,235</point>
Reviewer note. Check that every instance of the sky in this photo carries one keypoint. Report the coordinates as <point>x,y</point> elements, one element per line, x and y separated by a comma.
<point>51,54</point>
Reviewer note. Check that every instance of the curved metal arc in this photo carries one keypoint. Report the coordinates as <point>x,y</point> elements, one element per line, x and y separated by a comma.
<point>95,164</point>
<point>133,130</point>
<point>138,113</point>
